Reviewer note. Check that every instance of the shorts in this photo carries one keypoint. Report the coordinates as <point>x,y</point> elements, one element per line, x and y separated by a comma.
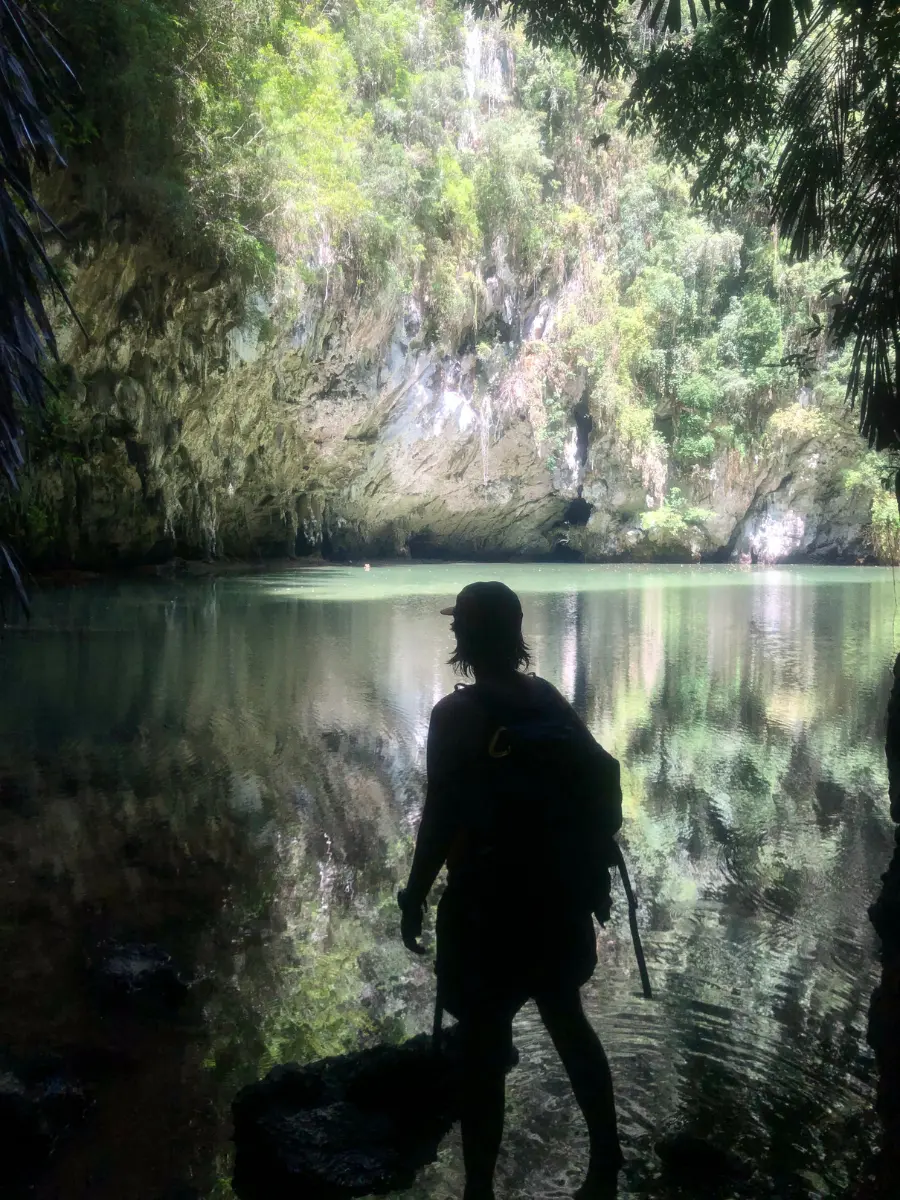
<point>492,953</point>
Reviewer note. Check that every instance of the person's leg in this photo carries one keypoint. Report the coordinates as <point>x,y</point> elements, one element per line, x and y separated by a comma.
<point>586,1065</point>
<point>486,1038</point>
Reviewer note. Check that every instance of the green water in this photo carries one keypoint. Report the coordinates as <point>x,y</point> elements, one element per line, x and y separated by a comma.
<point>233,769</point>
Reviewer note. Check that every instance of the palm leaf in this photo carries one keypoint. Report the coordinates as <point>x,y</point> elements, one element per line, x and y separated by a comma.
<point>10,568</point>
<point>29,67</point>
<point>836,188</point>
<point>771,26</point>
<point>595,30</point>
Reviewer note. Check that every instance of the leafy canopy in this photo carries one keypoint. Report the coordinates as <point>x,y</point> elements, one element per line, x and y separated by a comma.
<point>29,73</point>
<point>793,102</point>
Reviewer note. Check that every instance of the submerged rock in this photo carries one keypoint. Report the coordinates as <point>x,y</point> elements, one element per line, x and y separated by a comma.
<point>689,1160</point>
<point>355,1125</point>
<point>39,1104</point>
<point>138,975</point>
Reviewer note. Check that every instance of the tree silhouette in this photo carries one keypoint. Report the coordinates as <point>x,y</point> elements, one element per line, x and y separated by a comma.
<point>799,97</point>
<point>29,69</point>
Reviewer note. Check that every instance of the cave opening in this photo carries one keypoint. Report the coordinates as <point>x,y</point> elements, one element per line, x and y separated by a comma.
<point>578,511</point>
<point>584,426</point>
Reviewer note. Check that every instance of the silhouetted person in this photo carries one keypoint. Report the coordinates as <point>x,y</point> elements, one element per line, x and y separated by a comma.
<point>521,805</point>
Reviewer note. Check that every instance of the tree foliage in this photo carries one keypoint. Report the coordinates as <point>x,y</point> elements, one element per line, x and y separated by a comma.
<point>380,153</point>
<point>29,73</point>
<point>795,101</point>
<point>593,30</point>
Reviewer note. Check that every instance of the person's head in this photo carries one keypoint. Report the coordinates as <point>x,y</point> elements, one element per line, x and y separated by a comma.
<point>487,621</point>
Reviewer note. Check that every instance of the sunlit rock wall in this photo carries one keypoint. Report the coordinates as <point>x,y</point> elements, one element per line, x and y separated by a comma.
<point>200,429</point>
<point>201,425</point>
<point>345,435</point>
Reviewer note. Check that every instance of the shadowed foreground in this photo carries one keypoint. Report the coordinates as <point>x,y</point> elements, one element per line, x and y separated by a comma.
<point>884,1012</point>
<point>351,1125</point>
<point>230,772</point>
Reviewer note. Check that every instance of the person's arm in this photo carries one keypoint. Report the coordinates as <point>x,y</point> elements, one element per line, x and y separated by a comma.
<point>436,828</point>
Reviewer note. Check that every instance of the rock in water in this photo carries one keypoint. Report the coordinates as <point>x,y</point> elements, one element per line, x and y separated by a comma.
<point>142,976</point>
<point>694,1162</point>
<point>39,1104</point>
<point>355,1125</point>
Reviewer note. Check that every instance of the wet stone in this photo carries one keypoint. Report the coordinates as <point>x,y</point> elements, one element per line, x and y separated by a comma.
<point>139,976</point>
<point>693,1161</point>
<point>39,1105</point>
<point>355,1125</point>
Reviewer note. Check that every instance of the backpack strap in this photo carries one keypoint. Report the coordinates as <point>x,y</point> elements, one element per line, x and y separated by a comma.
<point>483,703</point>
<point>495,749</point>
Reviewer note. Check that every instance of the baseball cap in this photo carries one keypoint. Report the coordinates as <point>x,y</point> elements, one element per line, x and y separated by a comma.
<point>486,602</point>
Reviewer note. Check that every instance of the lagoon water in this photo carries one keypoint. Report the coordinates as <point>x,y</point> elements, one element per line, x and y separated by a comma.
<point>233,768</point>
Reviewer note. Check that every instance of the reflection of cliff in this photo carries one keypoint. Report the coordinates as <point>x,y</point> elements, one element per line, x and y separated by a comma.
<point>755,839</point>
<point>605,656</point>
<point>173,773</point>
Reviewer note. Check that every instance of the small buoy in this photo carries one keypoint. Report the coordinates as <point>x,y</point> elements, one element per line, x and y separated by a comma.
<point>367,567</point>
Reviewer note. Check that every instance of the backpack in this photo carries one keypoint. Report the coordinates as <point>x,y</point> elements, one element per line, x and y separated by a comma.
<point>548,804</point>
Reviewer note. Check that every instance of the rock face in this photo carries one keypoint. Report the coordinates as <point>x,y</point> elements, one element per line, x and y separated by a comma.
<point>198,420</point>
<point>194,428</point>
<point>196,423</point>
<point>357,1125</point>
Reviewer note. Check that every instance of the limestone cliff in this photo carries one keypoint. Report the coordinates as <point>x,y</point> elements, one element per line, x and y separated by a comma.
<point>555,414</point>
<point>198,425</point>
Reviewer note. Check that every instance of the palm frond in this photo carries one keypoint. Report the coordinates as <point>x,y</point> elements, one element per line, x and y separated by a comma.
<point>771,27</point>
<point>707,104</point>
<point>595,30</point>
<point>837,187</point>
<point>29,67</point>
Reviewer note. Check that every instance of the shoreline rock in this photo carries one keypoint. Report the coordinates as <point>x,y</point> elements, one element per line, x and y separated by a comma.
<point>353,1125</point>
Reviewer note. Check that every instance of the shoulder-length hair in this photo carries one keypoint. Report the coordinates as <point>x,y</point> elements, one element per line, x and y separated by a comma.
<point>488,649</point>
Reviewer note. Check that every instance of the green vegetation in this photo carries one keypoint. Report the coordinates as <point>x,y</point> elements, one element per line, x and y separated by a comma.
<point>690,326</point>
<point>885,531</point>
<point>379,143</point>
<point>787,104</point>
<point>688,336</point>
<point>27,63</point>
<point>355,155</point>
<point>671,524</point>
<point>874,478</point>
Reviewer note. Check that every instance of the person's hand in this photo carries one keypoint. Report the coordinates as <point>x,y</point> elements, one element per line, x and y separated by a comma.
<point>410,923</point>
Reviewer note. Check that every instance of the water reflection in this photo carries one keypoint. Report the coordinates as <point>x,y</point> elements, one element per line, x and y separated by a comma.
<point>234,770</point>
